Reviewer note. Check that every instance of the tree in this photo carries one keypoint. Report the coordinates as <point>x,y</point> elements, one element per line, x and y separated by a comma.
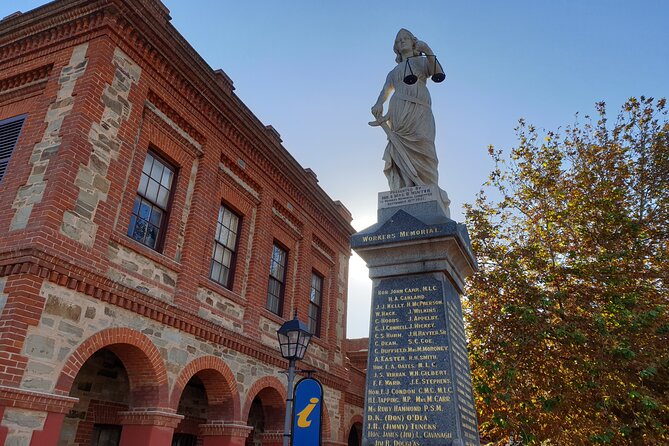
<point>568,315</point>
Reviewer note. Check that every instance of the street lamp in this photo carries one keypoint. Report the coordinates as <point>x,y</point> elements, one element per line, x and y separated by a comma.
<point>294,337</point>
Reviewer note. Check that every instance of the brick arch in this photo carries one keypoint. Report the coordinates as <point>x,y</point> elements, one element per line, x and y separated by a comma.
<point>272,393</point>
<point>219,383</point>
<point>140,357</point>
<point>355,419</point>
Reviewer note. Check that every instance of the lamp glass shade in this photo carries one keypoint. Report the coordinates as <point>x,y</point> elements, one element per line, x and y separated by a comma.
<point>294,338</point>
<point>284,345</point>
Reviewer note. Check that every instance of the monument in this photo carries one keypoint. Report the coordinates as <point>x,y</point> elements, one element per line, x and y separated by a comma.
<point>418,390</point>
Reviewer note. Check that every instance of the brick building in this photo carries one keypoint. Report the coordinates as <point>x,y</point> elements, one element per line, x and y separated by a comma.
<point>155,235</point>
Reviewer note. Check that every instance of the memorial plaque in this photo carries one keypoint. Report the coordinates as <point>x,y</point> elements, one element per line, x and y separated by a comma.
<point>418,389</point>
<point>407,196</point>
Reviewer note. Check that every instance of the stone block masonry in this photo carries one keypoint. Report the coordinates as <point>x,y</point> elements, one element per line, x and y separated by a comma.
<point>3,296</point>
<point>140,273</point>
<point>33,191</point>
<point>92,179</point>
<point>20,424</point>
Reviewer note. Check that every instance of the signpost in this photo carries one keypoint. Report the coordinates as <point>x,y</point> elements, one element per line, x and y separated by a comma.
<point>307,413</point>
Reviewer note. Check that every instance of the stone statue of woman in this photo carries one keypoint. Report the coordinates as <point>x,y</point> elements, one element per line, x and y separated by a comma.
<point>410,156</point>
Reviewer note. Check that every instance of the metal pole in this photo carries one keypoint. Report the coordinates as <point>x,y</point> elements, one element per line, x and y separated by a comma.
<point>289,404</point>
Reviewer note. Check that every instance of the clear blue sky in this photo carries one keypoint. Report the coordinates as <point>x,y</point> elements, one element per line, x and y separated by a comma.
<point>312,69</point>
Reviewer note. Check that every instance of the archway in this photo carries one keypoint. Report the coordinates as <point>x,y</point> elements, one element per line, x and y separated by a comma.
<point>204,394</point>
<point>146,370</point>
<point>111,372</point>
<point>355,431</point>
<point>256,419</point>
<point>355,435</point>
<point>193,405</point>
<point>103,389</point>
<point>265,411</point>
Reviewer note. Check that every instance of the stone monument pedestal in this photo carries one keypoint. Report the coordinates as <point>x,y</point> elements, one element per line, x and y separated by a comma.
<point>418,390</point>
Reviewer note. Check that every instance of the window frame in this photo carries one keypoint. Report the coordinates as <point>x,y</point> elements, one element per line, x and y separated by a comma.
<point>162,230</point>
<point>234,250</point>
<point>319,307</point>
<point>7,121</point>
<point>282,290</point>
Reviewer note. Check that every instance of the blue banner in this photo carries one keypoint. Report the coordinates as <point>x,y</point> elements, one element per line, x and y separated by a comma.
<point>307,413</point>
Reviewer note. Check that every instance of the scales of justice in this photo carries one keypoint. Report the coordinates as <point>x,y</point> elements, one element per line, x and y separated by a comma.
<point>418,388</point>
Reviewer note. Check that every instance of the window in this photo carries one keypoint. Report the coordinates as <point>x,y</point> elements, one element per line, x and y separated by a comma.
<point>277,278</point>
<point>225,244</point>
<point>149,214</point>
<point>10,129</point>
<point>314,322</point>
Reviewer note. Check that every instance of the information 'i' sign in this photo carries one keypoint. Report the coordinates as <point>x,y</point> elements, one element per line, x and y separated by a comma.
<point>307,413</point>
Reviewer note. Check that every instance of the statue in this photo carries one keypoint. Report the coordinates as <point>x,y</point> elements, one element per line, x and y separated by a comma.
<point>410,156</point>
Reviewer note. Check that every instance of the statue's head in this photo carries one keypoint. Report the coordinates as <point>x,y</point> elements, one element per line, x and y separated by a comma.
<point>396,47</point>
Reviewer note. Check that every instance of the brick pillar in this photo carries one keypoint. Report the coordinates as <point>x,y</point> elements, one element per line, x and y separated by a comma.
<point>50,433</point>
<point>23,308</point>
<point>148,427</point>
<point>3,429</point>
<point>32,418</point>
<point>271,438</point>
<point>224,433</point>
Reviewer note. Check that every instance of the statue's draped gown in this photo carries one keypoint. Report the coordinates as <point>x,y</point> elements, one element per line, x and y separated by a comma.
<point>413,129</point>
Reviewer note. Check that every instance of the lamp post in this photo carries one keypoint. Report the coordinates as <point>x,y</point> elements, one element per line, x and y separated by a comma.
<point>294,337</point>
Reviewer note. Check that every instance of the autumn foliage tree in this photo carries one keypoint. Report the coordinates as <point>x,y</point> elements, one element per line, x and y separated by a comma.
<point>569,314</point>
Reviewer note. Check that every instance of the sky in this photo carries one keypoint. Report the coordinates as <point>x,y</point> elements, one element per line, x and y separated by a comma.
<point>312,69</point>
